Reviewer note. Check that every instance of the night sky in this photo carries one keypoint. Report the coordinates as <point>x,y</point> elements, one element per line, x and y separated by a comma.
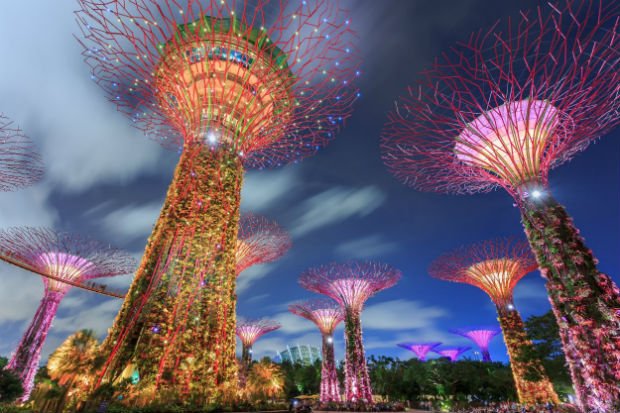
<point>106,180</point>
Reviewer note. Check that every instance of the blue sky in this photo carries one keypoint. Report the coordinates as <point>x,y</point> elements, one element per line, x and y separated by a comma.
<point>106,180</point>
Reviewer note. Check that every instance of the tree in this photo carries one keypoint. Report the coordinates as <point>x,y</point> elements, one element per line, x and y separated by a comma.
<point>10,384</point>
<point>71,365</point>
<point>544,333</point>
<point>265,381</point>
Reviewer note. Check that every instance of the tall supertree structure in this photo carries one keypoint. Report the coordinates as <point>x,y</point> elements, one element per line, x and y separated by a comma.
<point>230,86</point>
<point>20,163</point>
<point>249,331</point>
<point>350,285</point>
<point>496,267</point>
<point>259,241</point>
<point>482,336</point>
<point>326,314</point>
<point>453,353</point>
<point>419,349</point>
<point>63,260</point>
<point>501,110</point>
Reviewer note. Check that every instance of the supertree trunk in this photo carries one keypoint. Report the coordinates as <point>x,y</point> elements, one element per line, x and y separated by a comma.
<point>486,356</point>
<point>586,303</point>
<point>25,361</point>
<point>330,388</point>
<point>177,325</point>
<point>246,356</point>
<point>533,385</point>
<point>357,380</point>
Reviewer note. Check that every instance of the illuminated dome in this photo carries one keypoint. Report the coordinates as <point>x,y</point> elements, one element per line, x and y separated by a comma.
<point>225,83</point>
<point>509,140</point>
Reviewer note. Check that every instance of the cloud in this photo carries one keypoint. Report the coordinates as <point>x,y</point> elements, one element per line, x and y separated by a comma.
<point>365,247</point>
<point>401,315</point>
<point>335,205</point>
<point>252,274</point>
<point>132,222</point>
<point>293,324</point>
<point>97,317</point>
<point>82,137</point>
<point>28,206</point>
<point>262,189</point>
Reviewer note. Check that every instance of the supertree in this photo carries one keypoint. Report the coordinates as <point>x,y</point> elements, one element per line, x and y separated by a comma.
<point>482,336</point>
<point>58,257</point>
<point>326,314</point>
<point>501,110</point>
<point>419,349</point>
<point>452,353</point>
<point>230,86</point>
<point>249,331</point>
<point>20,163</point>
<point>496,266</point>
<point>259,241</point>
<point>350,285</point>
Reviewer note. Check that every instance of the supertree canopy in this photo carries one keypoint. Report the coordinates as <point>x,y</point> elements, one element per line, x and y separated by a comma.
<point>419,349</point>
<point>453,353</point>
<point>230,85</point>
<point>351,284</point>
<point>482,336</point>
<point>20,163</point>
<point>259,241</point>
<point>249,331</point>
<point>326,314</point>
<point>503,109</point>
<point>495,267</point>
<point>58,257</point>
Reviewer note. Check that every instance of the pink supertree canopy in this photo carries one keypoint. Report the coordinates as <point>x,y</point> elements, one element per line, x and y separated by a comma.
<point>58,257</point>
<point>501,110</point>
<point>452,353</point>
<point>420,349</point>
<point>494,266</point>
<point>326,314</point>
<point>249,331</point>
<point>300,88</point>
<point>20,163</point>
<point>510,103</point>
<point>351,284</point>
<point>260,240</point>
<point>482,336</point>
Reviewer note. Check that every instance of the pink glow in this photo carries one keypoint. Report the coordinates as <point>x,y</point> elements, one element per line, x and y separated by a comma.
<point>482,337</point>
<point>420,349</point>
<point>452,353</point>
<point>259,241</point>
<point>25,360</point>
<point>249,331</point>
<point>507,136</point>
<point>62,265</point>
<point>326,314</point>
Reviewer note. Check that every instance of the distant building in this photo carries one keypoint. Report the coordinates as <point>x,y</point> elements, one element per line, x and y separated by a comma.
<point>300,353</point>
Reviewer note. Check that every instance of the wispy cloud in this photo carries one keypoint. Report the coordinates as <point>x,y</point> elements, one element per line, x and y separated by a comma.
<point>366,247</point>
<point>401,315</point>
<point>262,189</point>
<point>253,274</point>
<point>335,205</point>
<point>132,222</point>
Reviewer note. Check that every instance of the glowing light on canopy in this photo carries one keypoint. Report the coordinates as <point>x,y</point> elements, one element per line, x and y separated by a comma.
<point>420,349</point>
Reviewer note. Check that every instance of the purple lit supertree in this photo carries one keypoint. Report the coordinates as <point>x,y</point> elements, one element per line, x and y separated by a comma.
<point>496,267</point>
<point>419,349</point>
<point>452,353</point>
<point>259,241</point>
<point>326,314</point>
<point>482,336</point>
<point>57,257</point>
<point>20,163</point>
<point>230,85</point>
<point>351,284</point>
<point>501,110</point>
<point>249,331</point>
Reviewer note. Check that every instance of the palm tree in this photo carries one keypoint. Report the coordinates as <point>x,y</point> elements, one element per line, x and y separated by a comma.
<point>265,380</point>
<point>72,363</point>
